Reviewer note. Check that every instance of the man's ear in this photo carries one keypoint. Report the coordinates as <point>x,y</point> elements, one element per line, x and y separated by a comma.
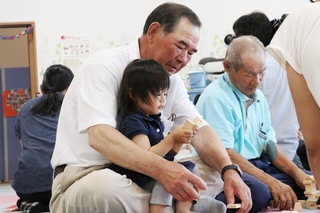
<point>153,29</point>
<point>226,66</point>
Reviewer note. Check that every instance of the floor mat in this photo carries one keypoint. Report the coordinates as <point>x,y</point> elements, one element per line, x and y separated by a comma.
<point>8,203</point>
<point>12,208</point>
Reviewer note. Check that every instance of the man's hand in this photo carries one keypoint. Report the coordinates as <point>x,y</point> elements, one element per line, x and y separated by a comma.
<point>299,177</point>
<point>282,195</point>
<point>176,179</point>
<point>234,186</point>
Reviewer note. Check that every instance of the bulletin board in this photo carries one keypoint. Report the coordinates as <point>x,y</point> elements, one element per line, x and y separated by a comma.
<point>12,101</point>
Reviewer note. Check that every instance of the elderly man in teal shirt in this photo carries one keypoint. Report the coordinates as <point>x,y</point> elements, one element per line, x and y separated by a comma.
<point>236,122</point>
<point>235,107</point>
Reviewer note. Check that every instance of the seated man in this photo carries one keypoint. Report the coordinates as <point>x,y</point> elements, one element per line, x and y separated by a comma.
<point>88,141</point>
<point>274,85</point>
<point>235,107</point>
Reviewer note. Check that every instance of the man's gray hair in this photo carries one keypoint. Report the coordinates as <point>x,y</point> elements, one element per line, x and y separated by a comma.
<point>242,45</point>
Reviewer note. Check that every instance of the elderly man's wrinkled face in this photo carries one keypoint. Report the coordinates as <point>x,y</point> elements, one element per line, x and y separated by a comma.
<point>249,76</point>
<point>175,49</point>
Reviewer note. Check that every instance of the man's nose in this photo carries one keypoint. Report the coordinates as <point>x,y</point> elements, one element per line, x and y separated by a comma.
<point>256,79</point>
<point>183,57</point>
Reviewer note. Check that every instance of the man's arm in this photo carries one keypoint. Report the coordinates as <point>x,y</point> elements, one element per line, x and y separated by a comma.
<point>283,163</point>
<point>211,150</point>
<point>120,150</point>
<point>308,116</point>
<point>282,194</point>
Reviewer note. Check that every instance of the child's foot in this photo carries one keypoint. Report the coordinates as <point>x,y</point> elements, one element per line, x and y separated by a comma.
<point>209,205</point>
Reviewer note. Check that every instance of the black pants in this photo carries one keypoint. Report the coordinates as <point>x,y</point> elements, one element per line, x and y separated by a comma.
<point>302,153</point>
<point>41,197</point>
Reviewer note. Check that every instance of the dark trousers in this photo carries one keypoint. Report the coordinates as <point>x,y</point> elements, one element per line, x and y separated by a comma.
<point>259,191</point>
<point>41,197</point>
<point>302,153</point>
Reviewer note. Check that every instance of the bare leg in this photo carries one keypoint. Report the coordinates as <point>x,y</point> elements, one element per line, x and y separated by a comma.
<point>184,207</point>
<point>155,208</point>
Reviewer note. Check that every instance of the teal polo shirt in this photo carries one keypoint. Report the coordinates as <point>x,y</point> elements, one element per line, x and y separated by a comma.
<point>246,130</point>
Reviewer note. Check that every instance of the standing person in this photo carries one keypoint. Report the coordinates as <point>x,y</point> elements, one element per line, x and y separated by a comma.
<point>238,111</point>
<point>88,141</point>
<point>274,85</point>
<point>36,126</point>
<point>142,105</point>
<point>296,47</point>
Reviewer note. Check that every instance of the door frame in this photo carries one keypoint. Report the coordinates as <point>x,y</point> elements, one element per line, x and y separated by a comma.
<point>32,59</point>
<point>32,52</point>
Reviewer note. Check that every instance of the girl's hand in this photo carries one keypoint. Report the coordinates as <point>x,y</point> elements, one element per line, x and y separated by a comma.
<point>180,135</point>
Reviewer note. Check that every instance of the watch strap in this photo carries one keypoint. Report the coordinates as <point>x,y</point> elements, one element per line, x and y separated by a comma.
<point>231,166</point>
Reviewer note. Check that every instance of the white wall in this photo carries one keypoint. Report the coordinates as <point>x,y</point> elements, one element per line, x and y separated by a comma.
<point>113,23</point>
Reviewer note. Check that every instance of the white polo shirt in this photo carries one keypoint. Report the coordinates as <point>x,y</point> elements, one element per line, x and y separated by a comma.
<point>92,99</point>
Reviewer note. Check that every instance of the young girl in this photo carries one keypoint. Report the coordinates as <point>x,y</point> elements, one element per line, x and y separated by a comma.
<point>36,126</point>
<point>142,97</point>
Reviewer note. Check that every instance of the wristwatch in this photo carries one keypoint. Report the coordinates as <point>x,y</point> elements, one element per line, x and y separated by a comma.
<point>232,166</point>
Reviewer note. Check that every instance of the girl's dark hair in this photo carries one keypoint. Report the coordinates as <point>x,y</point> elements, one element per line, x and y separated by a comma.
<point>169,15</point>
<point>55,79</point>
<point>141,78</point>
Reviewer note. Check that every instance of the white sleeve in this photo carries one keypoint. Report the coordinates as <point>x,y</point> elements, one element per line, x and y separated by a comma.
<point>178,103</point>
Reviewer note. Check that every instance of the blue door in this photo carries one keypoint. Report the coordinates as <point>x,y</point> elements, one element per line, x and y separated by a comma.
<point>11,79</point>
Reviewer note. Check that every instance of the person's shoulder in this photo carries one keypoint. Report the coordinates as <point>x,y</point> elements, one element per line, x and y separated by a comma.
<point>28,105</point>
<point>218,88</point>
<point>132,123</point>
<point>31,102</point>
<point>108,53</point>
<point>217,94</point>
<point>130,50</point>
<point>307,9</point>
<point>135,118</point>
<point>113,60</point>
<point>303,16</point>
<point>271,62</point>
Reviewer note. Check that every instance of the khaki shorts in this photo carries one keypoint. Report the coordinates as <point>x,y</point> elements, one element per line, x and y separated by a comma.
<point>93,190</point>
